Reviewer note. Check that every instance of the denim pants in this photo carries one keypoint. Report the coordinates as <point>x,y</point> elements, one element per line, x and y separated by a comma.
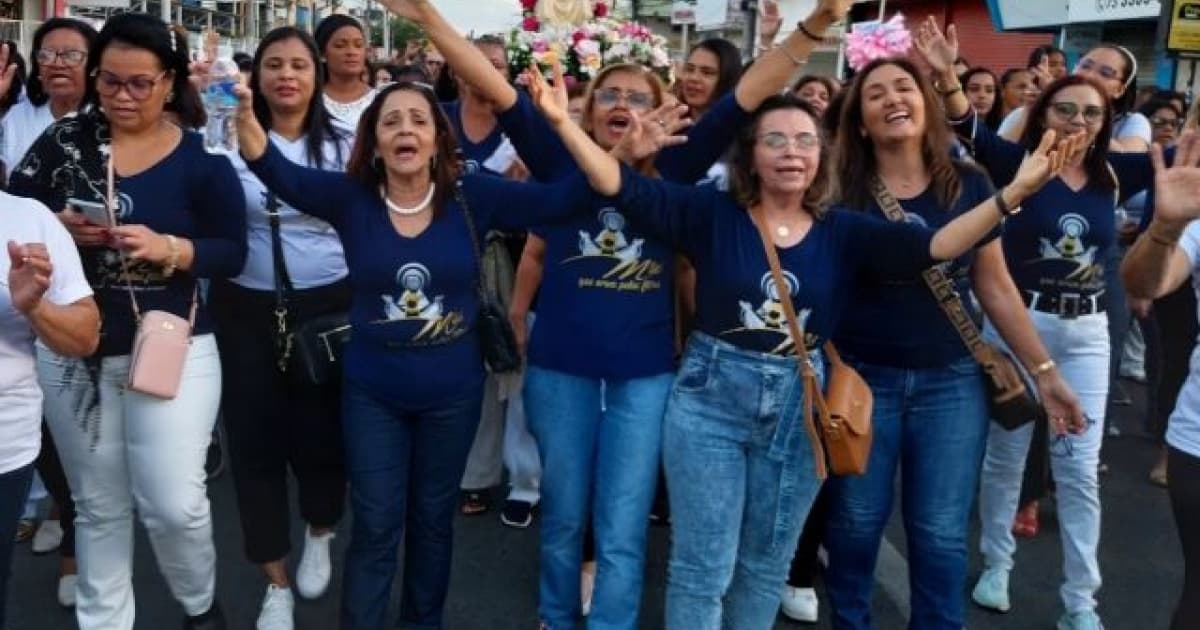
<point>931,424</point>
<point>404,462</point>
<point>1080,347</point>
<point>741,478</point>
<point>600,443</point>
<point>132,452</point>
<point>14,487</point>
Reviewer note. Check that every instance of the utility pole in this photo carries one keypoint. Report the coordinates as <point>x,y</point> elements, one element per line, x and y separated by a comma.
<point>750,41</point>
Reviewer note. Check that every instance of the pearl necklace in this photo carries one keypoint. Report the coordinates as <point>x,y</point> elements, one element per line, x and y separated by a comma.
<point>782,231</point>
<point>408,212</point>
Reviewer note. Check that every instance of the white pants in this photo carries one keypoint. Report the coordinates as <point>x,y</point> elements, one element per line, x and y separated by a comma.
<point>1080,348</point>
<point>503,440</point>
<point>132,451</point>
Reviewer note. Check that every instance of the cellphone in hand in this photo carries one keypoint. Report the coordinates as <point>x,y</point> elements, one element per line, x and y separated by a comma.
<point>94,211</point>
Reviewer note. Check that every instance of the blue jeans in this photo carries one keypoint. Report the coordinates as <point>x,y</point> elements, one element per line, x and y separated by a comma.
<point>600,444</point>
<point>14,487</point>
<point>741,478</point>
<point>404,463</point>
<point>931,424</point>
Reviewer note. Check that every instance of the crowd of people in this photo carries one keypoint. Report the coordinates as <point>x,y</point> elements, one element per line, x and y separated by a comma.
<point>669,263</point>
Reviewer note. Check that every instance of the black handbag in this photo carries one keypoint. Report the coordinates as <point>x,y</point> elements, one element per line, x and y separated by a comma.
<point>496,336</point>
<point>1010,397</point>
<point>309,351</point>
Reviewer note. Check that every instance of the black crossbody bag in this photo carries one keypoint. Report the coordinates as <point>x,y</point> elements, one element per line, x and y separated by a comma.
<point>496,335</point>
<point>309,351</point>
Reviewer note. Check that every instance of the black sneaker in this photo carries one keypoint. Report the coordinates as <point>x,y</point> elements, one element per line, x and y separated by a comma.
<point>214,619</point>
<point>214,462</point>
<point>518,514</point>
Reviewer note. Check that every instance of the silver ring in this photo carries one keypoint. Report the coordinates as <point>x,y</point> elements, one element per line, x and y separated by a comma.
<point>662,123</point>
<point>24,259</point>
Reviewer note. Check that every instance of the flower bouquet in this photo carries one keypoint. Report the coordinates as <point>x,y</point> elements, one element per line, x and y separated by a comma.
<point>584,49</point>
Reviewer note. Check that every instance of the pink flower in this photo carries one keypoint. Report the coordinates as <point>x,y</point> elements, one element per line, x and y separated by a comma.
<point>540,45</point>
<point>529,5</point>
<point>600,10</point>
<point>531,23</point>
<point>578,36</point>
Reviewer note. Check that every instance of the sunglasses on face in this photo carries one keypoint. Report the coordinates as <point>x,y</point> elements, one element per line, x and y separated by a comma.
<point>638,101</point>
<point>1105,72</point>
<point>139,87</point>
<point>778,141</point>
<point>49,57</point>
<point>1068,110</point>
<point>1159,122</point>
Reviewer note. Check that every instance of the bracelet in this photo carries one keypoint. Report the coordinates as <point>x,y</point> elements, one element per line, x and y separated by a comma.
<point>809,34</point>
<point>1003,205</point>
<point>793,58</point>
<point>173,257</point>
<point>1043,367</point>
<point>943,92</point>
<point>1165,242</point>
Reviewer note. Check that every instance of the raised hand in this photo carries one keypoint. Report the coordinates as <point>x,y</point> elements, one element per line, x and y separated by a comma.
<point>939,50</point>
<point>653,131</point>
<point>28,275</point>
<point>252,140</point>
<point>1177,187</point>
<point>415,10</point>
<point>8,70</point>
<point>1046,161</point>
<point>835,10</point>
<point>770,21</point>
<point>551,100</point>
<point>1041,73</point>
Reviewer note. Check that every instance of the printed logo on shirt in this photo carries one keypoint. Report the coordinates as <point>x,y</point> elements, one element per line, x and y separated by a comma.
<point>1070,247</point>
<point>621,266</point>
<point>412,304</point>
<point>767,318</point>
<point>142,274</point>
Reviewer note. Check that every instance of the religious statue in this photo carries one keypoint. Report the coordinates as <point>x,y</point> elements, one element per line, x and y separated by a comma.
<point>564,12</point>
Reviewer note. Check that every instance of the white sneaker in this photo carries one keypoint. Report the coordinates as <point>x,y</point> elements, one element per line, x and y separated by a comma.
<point>992,590</point>
<point>66,590</point>
<point>800,604</point>
<point>277,609</point>
<point>48,536</point>
<point>312,576</point>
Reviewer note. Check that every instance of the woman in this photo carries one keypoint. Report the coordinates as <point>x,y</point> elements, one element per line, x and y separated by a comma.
<point>1052,58</point>
<point>181,218</point>
<point>740,471</point>
<point>413,383</point>
<point>816,90</point>
<point>1017,90</point>
<point>589,397</point>
<point>46,297</point>
<point>930,418</point>
<point>343,46</point>
<point>1162,260</point>
<point>1166,120</point>
<point>980,86</point>
<point>1056,250</point>
<point>275,420</point>
<point>710,71</point>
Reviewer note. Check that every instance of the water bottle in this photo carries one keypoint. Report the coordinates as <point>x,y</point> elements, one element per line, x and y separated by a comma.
<point>220,104</point>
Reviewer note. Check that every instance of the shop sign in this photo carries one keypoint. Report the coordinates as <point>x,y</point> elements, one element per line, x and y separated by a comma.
<point>1183,34</point>
<point>1104,10</point>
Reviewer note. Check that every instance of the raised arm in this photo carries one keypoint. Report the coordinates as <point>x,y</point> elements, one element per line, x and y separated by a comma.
<point>770,73</point>
<point>461,55</point>
<point>1156,264</point>
<point>323,194</point>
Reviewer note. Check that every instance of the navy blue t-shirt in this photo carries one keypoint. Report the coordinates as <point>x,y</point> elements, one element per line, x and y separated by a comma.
<point>474,153</point>
<point>189,193</point>
<point>737,299</point>
<point>898,322</point>
<point>415,302</point>
<point>1059,242</point>
<point>606,302</point>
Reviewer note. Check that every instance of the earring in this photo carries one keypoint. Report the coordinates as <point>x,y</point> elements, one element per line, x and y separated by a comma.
<point>170,97</point>
<point>433,163</point>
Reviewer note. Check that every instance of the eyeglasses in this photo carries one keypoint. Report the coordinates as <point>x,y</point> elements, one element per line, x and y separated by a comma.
<point>1159,122</point>
<point>1105,72</point>
<point>1068,110</point>
<point>639,101</point>
<point>49,57</point>
<point>139,87</point>
<point>778,141</point>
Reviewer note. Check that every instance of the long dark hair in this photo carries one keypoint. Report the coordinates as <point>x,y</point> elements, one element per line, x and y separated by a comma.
<point>149,33</point>
<point>994,117</point>
<point>1095,163</point>
<point>856,162</point>
<point>729,64</point>
<point>744,181</point>
<point>368,168</point>
<point>318,125</point>
<point>33,86</point>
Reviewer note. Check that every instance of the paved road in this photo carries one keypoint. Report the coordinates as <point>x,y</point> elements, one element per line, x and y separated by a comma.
<point>495,573</point>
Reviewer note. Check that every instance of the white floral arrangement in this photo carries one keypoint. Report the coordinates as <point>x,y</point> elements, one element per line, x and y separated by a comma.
<point>583,50</point>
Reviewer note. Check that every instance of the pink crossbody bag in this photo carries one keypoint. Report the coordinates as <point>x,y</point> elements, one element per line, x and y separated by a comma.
<point>160,346</point>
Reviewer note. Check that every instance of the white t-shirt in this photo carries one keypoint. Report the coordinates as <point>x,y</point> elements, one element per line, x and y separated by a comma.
<point>23,124</point>
<point>1183,428</point>
<point>348,114</point>
<point>312,250</point>
<point>27,221</point>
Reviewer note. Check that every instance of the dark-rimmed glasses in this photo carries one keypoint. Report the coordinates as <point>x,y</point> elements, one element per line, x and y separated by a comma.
<point>139,88</point>
<point>50,57</point>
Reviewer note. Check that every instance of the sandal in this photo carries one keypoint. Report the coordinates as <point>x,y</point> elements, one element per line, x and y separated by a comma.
<point>1026,523</point>
<point>474,503</point>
